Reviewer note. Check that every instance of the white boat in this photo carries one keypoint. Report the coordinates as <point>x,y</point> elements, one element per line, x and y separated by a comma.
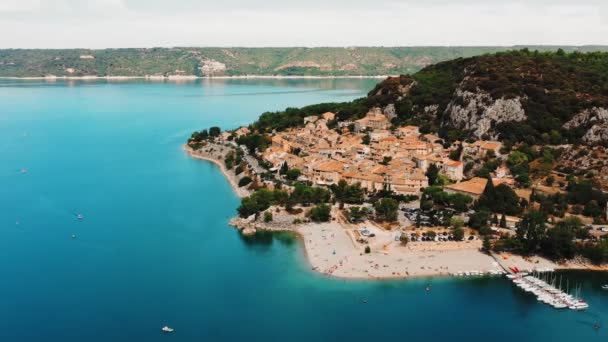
<point>167,329</point>
<point>79,216</point>
<point>605,287</point>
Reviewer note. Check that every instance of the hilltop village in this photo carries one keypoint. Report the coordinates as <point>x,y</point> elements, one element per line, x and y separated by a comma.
<point>364,192</point>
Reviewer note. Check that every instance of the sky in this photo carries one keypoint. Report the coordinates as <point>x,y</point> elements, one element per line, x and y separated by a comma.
<point>152,23</point>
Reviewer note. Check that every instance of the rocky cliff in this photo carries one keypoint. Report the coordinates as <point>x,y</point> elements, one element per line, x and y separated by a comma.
<point>530,96</point>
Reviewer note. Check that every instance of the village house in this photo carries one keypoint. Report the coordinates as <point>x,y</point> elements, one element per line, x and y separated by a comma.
<point>454,170</point>
<point>407,131</point>
<point>481,148</point>
<point>327,172</point>
<point>473,187</point>
<point>369,182</point>
<point>373,120</point>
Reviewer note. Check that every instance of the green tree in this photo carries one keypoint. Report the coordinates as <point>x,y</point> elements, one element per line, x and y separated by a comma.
<point>246,180</point>
<point>214,131</point>
<point>517,158</point>
<point>284,168</point>
<point>531,230</point>
<point>456,222</point>
<point>592,209</point>
<point>503,221</point>
<point>267,216</point>
<point>320,213</point>
<point>229,160</point>
<point>344,193</point>
<point>459,202</point>
<point>386,210</point>
<point>200,136</point>
<point>431,173</point>
<point>487,244</point>
<point>500,199</point>
<point>366,140</point>
<point>306,195</point>
<point>559,241</point>
<point>259,201</point>
<point>458,234</point>
<point>479,220</point>
<point>357,214</point>
<point>293,174</point>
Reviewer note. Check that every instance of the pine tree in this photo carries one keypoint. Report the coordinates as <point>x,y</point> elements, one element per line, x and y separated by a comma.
<point>431,173</point>
<point>494,219</point>
<point>284,168</point>
<point>488,196</point>
<point>488,191</point>
<point>503,221</point>
<point>487,244</point>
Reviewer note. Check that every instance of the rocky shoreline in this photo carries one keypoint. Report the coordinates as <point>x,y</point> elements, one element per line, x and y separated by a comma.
<point>215,154</point>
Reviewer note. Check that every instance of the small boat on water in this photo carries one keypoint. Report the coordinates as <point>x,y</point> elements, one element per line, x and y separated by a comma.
<point>23,170</point>
<point>605,287</point>
<point>79,216</point>
<point>167,329</point>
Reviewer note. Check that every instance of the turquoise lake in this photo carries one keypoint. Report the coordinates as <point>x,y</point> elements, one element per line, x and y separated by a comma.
<point>154,247</point>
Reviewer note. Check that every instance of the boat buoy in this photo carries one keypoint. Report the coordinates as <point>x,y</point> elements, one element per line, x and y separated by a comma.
<point>73,236</point>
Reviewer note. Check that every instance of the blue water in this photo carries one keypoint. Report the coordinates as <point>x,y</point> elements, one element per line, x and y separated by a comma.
<point>154,247</point>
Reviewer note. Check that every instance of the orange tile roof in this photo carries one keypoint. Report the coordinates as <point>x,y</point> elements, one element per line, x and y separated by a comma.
<point>329,166</point>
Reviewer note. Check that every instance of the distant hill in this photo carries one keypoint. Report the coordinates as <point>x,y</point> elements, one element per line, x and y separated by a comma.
<point>323,61</point>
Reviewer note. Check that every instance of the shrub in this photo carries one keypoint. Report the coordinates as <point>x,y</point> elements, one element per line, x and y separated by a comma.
<point>458,234</point>
<point>245,181</point>
<point>404,239</point>
<point>238,170</point>
<point>267,216</point>
<point>320,213</point>
<point>367,250</point>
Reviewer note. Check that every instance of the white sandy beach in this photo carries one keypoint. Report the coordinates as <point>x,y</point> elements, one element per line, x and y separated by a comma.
<point>333,250</point>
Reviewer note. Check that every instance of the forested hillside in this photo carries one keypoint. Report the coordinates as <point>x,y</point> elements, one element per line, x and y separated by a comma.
<point>517,96</point>
<point>325,61</point>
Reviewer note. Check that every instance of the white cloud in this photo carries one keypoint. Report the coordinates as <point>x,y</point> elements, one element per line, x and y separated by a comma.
<point>19,5</point>
<point>135,23</point>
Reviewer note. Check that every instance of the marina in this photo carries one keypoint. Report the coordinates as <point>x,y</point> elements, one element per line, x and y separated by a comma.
<point>548,290</point>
